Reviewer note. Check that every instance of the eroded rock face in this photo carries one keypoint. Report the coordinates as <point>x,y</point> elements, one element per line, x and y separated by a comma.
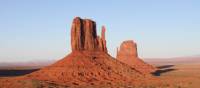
<point>128,55</point>
<point>84,36</point>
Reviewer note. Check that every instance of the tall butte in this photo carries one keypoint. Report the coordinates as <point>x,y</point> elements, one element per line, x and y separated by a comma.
<point>128,54</point>
<point>84,36</point>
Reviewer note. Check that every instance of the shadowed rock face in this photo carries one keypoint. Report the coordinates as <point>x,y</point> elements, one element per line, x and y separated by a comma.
<point>128,55</point>
<point>84,36</point>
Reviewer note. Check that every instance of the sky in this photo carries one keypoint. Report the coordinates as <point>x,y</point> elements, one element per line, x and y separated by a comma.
<point>40,29</point>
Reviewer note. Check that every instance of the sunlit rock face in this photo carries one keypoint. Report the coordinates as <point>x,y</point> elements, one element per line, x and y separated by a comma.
<point>84,36</point>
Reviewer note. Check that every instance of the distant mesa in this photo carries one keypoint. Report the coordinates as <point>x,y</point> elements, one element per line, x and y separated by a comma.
<point>128,54</point>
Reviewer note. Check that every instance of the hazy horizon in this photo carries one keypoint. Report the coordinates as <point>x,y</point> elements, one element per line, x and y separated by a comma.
<point>40,29</point>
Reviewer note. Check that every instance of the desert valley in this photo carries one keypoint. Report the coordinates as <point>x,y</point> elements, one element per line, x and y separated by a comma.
<point>89,65</point>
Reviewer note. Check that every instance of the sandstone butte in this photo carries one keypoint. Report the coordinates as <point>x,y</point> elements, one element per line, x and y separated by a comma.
<point>128,54</point>
<point>84,36</point>
<point>88,64</point>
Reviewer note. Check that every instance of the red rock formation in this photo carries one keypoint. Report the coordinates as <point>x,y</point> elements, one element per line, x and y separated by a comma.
<point>84,36</point>
<point>128,55</point>
<point>128,48</point>
<point>103,38</point>
<point>87,65</point>
<point>103,30</point>
<point>77,35</point>
<point>89,61</point>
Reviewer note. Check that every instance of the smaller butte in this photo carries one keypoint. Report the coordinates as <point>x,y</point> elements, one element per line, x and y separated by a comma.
<point>128,54</point>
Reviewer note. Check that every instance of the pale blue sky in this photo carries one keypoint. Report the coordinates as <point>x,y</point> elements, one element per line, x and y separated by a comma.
<point>40,29</point>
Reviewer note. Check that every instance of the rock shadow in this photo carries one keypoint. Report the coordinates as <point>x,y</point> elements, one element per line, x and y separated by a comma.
<point>159,72</point>
<point>163,69</point>
<point>11,73</point>
<point>165,66</point>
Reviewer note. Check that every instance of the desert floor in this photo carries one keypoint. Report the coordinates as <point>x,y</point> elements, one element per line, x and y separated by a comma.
<point>178,75</point>
<point>169,75</point>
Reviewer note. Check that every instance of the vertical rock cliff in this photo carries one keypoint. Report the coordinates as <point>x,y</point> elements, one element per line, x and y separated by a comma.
<point>84,36</point>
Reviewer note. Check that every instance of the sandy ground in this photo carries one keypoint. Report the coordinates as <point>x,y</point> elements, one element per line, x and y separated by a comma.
<point>170,75</point>
<point>179,75</point>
